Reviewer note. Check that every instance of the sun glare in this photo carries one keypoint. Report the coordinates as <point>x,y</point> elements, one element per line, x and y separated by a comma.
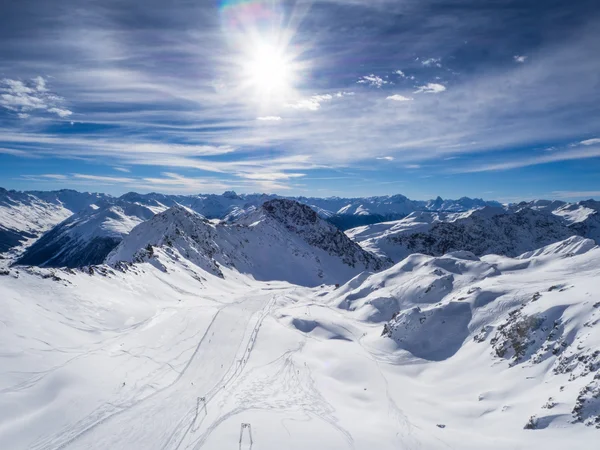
<point>269,71</point>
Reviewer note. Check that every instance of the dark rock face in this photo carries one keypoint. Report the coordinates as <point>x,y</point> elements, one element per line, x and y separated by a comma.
<point>304,221</point>
<point>12,238</point>
<point>502,233</point>
<point>50,251</point>
<point>345,221</point>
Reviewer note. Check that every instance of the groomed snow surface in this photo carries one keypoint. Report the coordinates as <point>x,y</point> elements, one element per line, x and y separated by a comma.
<point>449,352</point>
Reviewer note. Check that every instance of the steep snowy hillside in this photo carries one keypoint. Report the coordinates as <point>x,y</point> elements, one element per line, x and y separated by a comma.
<point>282,240</point>
<point>86,237</point>
<point>24,216</point>
<point>483,231</point>
<point>583,218</point>
<point>68,198</point>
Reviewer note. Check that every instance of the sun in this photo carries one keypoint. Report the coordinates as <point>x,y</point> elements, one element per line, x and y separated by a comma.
<point>269,71</point>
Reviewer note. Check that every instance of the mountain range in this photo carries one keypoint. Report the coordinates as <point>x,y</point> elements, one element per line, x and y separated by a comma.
<point>68,228</point>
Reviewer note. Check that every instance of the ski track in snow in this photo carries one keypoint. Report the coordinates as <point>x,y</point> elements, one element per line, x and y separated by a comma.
<point>160,399</point>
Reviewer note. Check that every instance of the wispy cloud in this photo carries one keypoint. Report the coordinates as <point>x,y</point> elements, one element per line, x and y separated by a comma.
<point>398,98</point>
<point>566,155</point>
<point>576,194</point>
<point>591,141</point>
<point>102,178</point>
<point>60,112</point>
<point>122,169</point>
<point>386,158</point>
<point>48,176</point>
<point>372,80</point>
<point>432,62</point>
<point>401,74</point>
<point>431,88</point>
<point>269,118</point>
<point>271,176</point>
<point>520,58</point>
<point>312,103</point>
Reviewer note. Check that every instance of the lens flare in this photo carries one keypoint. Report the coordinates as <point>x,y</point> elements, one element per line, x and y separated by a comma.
<point>267,67</point>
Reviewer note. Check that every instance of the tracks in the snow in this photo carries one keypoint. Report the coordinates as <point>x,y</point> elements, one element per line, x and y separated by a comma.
<point>109,410</point>
<point>228,378</point>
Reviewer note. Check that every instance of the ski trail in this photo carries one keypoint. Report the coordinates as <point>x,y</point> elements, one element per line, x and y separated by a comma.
<point>227,378</point>
<point>157,415</point>
<point>104,414</point>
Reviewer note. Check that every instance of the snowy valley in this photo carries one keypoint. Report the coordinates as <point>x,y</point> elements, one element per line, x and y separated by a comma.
<point>211,322</point>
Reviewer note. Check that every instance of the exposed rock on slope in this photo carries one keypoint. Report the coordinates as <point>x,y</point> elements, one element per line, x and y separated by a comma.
<point>484,231</point>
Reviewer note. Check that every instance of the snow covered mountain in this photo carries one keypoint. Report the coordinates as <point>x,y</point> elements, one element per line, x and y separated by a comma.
<point>24,216</point>
<point>503,231</point>
<point>583,217</point>
<point>282,240</point>
<point>462,204</point>
<point>43,209</point>
<point>86,237</point>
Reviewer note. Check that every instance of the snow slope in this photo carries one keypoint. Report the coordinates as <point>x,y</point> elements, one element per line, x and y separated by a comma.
<point>24,216</point>
<point>86,237</point>
<point>494,353</point>
<point>282,240</point>
<point>492,325</point>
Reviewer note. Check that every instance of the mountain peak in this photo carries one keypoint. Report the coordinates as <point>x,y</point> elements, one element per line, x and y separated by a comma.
<point>290,211</point>
<point>231,194</point>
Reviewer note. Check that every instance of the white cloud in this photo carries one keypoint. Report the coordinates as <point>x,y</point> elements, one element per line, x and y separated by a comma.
<point>520,58</point>
<point>412,166</point>
<point>103,178</point>
<point>15,152</point>
<point>576,194</point>
<point>60,112</point>
<point>581,153</point>
<point>372,80</point>
<point>40,84</point>
<point>591,141</point>
<point>400,73</point>
<point>398,98</point>
<point>269,118</point>
<point>431,88</point>
<point>386,158</point>
<point>270,176</point>
<point>122,169</point>
<point>22,98</point>
<point>169,182</point>
<point>53,176</point>
<point>431,62</point>
<point>312,103</point>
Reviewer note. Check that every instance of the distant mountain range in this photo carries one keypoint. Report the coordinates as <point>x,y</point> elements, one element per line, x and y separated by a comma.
<point>509,231</point>
<point>71,229</point>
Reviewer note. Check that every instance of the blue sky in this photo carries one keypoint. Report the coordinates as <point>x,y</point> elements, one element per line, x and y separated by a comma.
<point>496,99</point>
